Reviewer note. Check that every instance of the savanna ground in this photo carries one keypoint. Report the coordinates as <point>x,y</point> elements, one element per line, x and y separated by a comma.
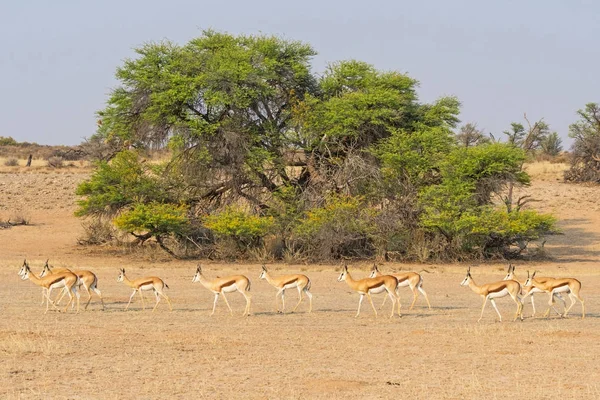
<point>438,353</point>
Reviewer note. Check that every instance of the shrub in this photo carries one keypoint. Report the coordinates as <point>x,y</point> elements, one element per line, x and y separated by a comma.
<point>343,227</point>
<point>154,220</point>
<point>244,229</point>
<point>11,162</point>
<point>56,162</point>
<point>96,232</point>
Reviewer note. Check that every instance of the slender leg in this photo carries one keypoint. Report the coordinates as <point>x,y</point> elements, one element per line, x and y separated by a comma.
<point>248,298</point>
<point>571,296</point>
<point>276,303</point>
<point>299,298</point>
<point>167,299</point>
<point>77,295</point>
<point>382,304</point>
<point>359,304</point>
<point>130,297</point>
<point>547,313</point>
<point>482,308</point>
<point>394,301</point>
<point>519,308</point>
<point>373,305</point>
<point>415,295</point>
<point>215,304</point>
<point>48,298</point>
<point>282,301</point>
<point>87,289</point>
<point>532,306</point>
<point>157,300</point>
<point>142,296</point>
<point>498,312</point>
<point>71,300</point>
<point>99,293</point>
<point>309,294</point>
<point>226,302</point>
<point>60,296</point>
<point>425,295</point>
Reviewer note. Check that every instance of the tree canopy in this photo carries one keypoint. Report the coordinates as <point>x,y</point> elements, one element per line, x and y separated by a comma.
<point>263,150</point>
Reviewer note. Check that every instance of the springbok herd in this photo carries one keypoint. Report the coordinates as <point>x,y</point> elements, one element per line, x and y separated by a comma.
<point>71,280</point>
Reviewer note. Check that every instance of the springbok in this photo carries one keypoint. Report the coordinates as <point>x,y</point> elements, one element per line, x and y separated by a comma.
<point>564,285</point>
<point>302,282</point>
<point>495,290</point>
<point>220,286</point>
<point>526,289</point>
<point>367,286</point>
<point>142,284</point>
<point>87,279</point>
<point>66,280</point>
<point>411,279</point>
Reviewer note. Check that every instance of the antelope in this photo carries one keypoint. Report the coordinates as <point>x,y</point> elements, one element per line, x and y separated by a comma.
<point>495,290</point>
<point>301,282</point>
<point>367,286</point>
<point>553,286</point>
<point>66,280</point>
<point>22,273</point>
<point>220,286</point>
<point>511,276</point>
<point>87,279</point>
<point>411,279</point>
<point>141,284</point>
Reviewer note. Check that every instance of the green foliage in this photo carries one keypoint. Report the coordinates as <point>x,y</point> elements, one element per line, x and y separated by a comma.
<point>155,219</point>
<point>341,227</point>
<point>118,184</point>
<point>495,231</point>
<point>349,164</point>
<point>552,145</point>
<point>246,229</point>
<point>7,141</point>
<point>585,152</point>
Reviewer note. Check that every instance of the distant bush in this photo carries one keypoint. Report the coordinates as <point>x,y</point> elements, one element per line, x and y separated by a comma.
<point>7,141</point>
<point>585,152</point>
<point>11,162</point>
<point>56,162</point>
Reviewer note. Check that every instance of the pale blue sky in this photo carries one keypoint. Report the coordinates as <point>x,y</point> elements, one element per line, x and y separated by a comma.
<point>57,58</point>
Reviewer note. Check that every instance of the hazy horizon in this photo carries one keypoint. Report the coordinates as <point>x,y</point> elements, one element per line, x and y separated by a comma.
<point>500,60</point>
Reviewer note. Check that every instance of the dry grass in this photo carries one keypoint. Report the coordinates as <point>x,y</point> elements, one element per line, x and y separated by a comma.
<point>546,171</point>
<point>442,353</point>
<point>41,166</point>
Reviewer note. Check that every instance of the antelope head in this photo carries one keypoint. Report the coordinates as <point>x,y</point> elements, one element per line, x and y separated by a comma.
<point>374,271</point>
<point>263,272</point>
<point>121,275</point>
<point>198,274</point>
<point>467,279</point>
<point>344,274</point>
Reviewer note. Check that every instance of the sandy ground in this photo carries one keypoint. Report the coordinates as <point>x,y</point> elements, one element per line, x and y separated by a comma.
<point>425,354</point>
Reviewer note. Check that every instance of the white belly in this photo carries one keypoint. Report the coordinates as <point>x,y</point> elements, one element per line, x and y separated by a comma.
<point>536,290</point>
<point>502,293</point>
<point>377,290</point>
<point>290,285</point>
<point>147,287</point>
<point>404,283</point>
<point>229,289</point>
<point>561,289</point>
<point>58,284</point>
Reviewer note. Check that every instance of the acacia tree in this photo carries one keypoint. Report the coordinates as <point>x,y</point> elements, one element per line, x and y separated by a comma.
<point>261,146</point>
<point>585,151</point>
<point>469,135</point>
